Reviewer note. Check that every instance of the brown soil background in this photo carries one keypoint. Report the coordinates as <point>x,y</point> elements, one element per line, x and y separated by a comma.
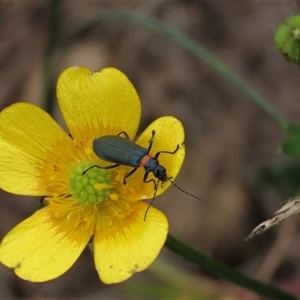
<point>228,138</point>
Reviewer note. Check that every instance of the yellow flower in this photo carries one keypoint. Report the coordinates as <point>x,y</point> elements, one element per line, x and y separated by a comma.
<point>38,158</point>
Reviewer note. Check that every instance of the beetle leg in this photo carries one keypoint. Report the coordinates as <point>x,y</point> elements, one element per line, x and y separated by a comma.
<point>150,204</point>
<point>167,152</point>
<point>150,180</point>
<point>128,175</point>
<point>125,134</point>
<point>151,140</point>
<point>99,167</point>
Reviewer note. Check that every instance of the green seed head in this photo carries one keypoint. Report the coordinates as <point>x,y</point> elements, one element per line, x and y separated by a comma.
<point>91,188</point>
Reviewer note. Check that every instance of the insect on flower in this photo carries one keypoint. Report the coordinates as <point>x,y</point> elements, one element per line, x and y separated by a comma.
<point>120,151</point>
<point>38,158</point>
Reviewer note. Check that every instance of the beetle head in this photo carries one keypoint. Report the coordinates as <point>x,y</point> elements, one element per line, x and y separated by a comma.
<point>160,173</point>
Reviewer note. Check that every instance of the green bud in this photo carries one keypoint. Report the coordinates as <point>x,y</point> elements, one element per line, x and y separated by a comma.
<point>287,39</point>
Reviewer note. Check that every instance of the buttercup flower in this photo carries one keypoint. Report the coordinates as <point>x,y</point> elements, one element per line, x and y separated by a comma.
<point>38,158</point>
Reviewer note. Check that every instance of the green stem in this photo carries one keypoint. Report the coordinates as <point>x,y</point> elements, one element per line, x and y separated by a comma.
<point>219,269</point>
<point>189,44</point>
<point>49,74</point>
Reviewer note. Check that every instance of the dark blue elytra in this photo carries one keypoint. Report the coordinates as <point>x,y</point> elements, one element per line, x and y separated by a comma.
<point>113,148</point>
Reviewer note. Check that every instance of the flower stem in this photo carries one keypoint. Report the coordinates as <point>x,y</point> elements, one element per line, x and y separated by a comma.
<point>190,45</point>
<point>219,269</point>
<point>52,40</point>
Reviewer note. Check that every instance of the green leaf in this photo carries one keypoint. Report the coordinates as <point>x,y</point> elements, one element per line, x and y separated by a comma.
<point>291,145</point>
<point>282,177</point>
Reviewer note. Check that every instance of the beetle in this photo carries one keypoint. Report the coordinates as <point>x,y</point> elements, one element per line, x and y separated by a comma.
<point>120,151</point>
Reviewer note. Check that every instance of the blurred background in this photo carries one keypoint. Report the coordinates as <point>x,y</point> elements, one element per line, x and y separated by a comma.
<point>232,163</point>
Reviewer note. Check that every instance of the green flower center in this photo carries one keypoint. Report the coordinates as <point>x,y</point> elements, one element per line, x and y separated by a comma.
<point>91,188</point>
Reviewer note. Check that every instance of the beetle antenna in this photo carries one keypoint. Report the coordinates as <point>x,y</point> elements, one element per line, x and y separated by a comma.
<point>150,204</point>
<point>173,183</point>
<point>182,190</point>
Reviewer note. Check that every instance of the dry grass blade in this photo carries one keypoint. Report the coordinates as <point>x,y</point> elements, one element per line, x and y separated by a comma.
<point>290,207</point>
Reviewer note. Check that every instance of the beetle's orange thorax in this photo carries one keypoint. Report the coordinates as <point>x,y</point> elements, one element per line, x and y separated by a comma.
<point>144,160</point>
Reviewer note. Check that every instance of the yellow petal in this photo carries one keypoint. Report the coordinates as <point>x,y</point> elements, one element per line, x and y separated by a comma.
<point>32,145</point>
<point>97,104</point>
<point>169,133</point>
<point>122,250</point>
<point>42,248</point>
